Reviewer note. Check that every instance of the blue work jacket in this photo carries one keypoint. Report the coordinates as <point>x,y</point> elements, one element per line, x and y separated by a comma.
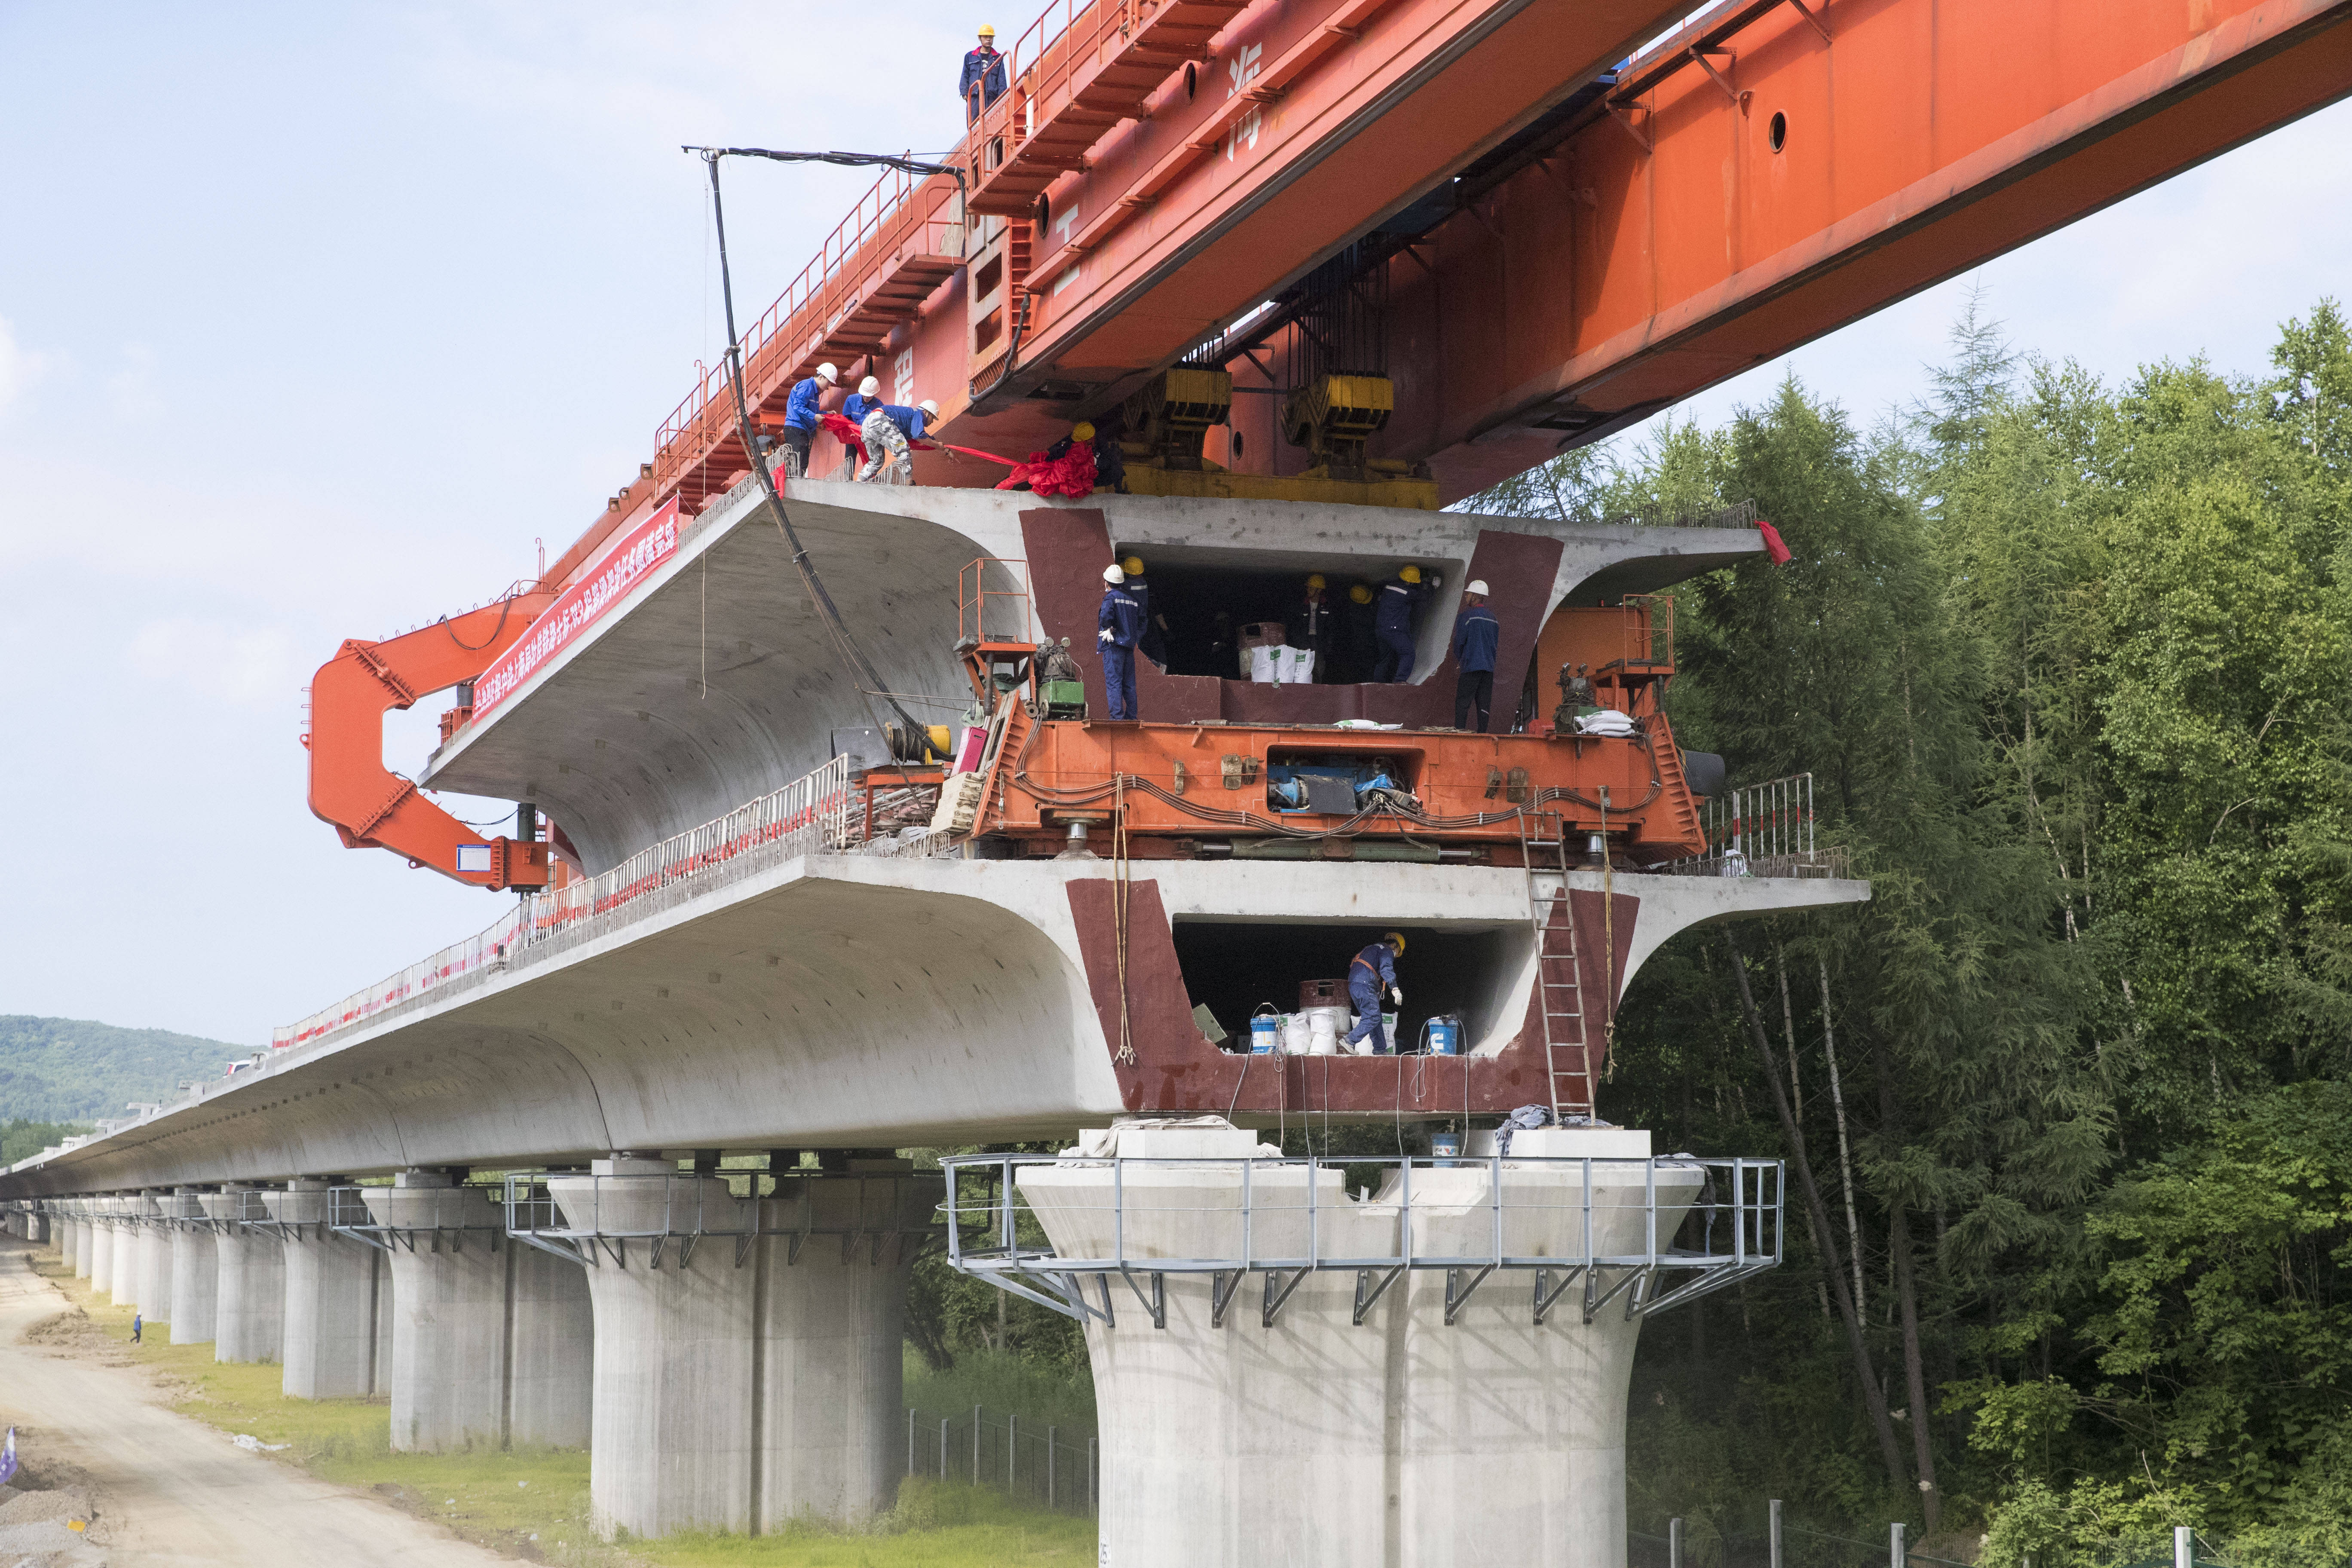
<point>984,65</point>
<point>858,406</point>
<point>1379,961</point>
<point>1121,616</point>
<point>911,420</point>
<point>1476,633</point>
<point>1395,602</point>
<point>801,409</point>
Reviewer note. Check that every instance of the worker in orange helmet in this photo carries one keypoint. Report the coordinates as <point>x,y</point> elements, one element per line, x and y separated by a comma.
<point>984,74</point>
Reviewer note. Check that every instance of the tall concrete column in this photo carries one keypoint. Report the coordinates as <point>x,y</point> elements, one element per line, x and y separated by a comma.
<point>195,1269</point>
<point>102,1247</point>
<point>249,1299</point>
<point>332,1299</point>
<point>1319,1443</point>
<point>125,1284</point>
<point>747,1356</point>
<point>551,1351</point>
<point>449,1265</point>
<point>154,1288</point>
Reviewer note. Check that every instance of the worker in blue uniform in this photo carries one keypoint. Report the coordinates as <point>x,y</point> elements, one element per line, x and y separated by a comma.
<point>887,429</point>
<point>1476,634</point>
<point>802,416</point>
<point>1120,627</point>
<point>984,74</point>
<point>862,402</point>
<point>1397,599</point>
<point>1374,969</point>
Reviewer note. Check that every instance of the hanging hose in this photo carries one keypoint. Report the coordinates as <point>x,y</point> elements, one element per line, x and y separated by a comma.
<point>863,674</point>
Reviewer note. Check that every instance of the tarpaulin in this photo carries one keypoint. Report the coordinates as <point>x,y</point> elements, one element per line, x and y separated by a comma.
<point>841,429</point>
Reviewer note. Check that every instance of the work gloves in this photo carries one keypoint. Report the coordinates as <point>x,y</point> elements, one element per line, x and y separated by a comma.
<point>1396,994</point>
<point>1103,635</point>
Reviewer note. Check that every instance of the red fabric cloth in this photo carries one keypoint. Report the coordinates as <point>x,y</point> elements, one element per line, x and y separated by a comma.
<point>838,426</point>
<point>1072,474</point>
<point>1772,545</point>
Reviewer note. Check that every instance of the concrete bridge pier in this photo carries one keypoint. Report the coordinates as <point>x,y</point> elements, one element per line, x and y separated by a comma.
<point>101,1249</point>
<point>337,1293</point>
<point>195,1269</point>
<point>749,1366</point>
<point>125,1286</point>
<point>448,1255</point>
<point>551,1351</point>
<point>153,1290</point>
<point>1319,1442</point>
<point>249,1292</point>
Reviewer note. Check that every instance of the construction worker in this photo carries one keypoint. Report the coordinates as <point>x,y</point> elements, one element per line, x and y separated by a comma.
<point>885,430</point>
<point>1374,969</point>
<point>1314,625</point>
<point>802,420</point>
<point>1393,624</point>
<point>1476,632</point>
<point>862,402</point>
<point>1120,627</point>
<point>984,74</point>
<point>1155,624</point>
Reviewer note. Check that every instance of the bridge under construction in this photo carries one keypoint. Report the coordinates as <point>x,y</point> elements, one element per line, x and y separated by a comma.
<point>825,850</point>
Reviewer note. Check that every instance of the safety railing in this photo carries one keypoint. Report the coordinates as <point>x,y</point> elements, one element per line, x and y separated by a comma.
<point>1762,830</point>
<point>476,953</point>
<point>810,813</point>
<point>348,1215</point>
<point>601,1215</point>
<point>1696,1225</point>
<point>901,213</point>
<point>1041,72</point>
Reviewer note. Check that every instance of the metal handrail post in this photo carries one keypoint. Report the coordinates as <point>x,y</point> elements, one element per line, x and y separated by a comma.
<point>1739,1213</point>
<point>1497,1186</point>
<point>1773,1525</point>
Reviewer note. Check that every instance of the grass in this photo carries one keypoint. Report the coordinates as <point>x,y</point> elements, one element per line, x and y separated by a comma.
<point>533,1503</point>
<point>1041,1395</point>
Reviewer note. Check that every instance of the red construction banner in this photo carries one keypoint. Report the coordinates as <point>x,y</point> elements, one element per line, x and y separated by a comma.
<point>649,544</point>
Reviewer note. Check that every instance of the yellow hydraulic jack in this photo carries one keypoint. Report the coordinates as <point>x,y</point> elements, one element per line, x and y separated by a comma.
<point>1167,420</point>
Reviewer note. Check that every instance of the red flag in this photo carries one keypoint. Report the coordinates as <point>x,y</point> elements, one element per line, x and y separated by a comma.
<point>1772,545</point>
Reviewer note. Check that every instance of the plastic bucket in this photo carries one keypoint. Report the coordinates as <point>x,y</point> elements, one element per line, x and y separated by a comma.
<point>1265,1031</point>
<point>1445,1036</point>
<point>1446,1147</point>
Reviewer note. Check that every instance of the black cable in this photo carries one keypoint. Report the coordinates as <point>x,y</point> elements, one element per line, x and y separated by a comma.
<point>862,671</point>
<point>902,162</point>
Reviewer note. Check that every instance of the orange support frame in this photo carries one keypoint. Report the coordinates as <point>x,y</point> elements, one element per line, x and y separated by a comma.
<point>372,806</point>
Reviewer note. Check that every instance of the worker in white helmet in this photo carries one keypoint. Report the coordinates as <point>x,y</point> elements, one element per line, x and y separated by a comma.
<point>1118,627</point>
<point>984,74</point>
<point>862,402</point>
<point>1476,635</point>
<point>887,431</point>
<point>802,418</point>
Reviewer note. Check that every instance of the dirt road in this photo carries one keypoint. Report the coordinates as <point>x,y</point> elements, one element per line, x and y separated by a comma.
<point>172,1492</point>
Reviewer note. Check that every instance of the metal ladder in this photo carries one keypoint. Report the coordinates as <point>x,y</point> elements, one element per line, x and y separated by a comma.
<point>1559,989</point>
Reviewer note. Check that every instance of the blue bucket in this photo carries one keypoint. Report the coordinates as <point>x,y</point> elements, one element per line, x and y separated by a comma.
<point>1445,1148</point>
<point>1265,1033</point>
<point>1445,1036</point>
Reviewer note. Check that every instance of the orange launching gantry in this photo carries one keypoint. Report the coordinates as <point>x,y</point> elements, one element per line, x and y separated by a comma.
<point>372,806</point>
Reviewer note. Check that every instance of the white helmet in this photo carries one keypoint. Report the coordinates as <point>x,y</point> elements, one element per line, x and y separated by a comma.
<point>1479,588</point>
<point>1114,574</point>
<point>868,387</point>
<point>828,373</point>
<point>930,410</point>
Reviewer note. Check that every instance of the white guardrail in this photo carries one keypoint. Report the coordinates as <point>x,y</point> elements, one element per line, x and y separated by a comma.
<point>811,812</point>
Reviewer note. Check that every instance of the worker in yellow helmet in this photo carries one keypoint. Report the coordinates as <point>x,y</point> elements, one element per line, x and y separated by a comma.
<point>1155,624</point>
<point>1313,624</point>
<point>1399,597</point>
<point>1373,970</point>
<point>984,74</point>
<point>1358,645</point>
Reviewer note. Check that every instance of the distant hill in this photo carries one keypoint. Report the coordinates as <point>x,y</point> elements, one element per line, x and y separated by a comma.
<point>70,1070</point>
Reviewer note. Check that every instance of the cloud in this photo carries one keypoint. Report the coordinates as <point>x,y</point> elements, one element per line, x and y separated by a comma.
<point>249,667</point>
<point>20,368</point>
<point>131,389</point>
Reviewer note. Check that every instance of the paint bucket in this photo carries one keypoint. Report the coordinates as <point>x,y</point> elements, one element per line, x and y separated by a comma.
<point>1444,1034</point>
<point>1265,1031</point>
<point>1446,1149</point>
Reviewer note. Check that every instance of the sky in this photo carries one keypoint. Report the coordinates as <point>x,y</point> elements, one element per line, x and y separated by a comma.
<point>318,321</point>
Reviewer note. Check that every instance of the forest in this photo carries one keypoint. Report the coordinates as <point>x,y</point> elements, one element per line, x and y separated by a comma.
<point>2066,1104</point>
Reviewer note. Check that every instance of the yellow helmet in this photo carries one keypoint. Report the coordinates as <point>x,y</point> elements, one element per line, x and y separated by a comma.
<point>1082,431</point>
<point>986,31</point>
<point>1315,579</point>
<point>1133,565</point>
<point>1395,939</point>
<point>1410,573</point>
<point>1361,594</point>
